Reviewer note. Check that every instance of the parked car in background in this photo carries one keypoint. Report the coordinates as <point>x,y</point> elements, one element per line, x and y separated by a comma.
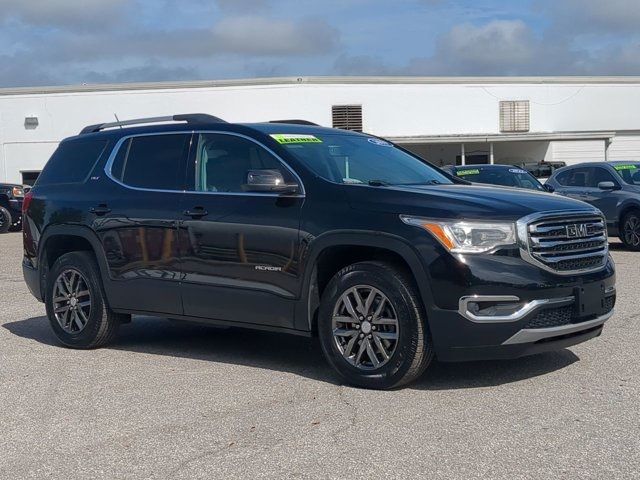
<point>307,230</point>
<point>613,188</point>
<point>542,170</point>
<point>11,197</point>
<point>503,175</point>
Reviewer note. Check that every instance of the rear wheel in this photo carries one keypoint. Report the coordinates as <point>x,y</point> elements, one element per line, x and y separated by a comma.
<point>76,305</point>
<point>371,326</point>
<point>5,220</point>
<point>630,231</point>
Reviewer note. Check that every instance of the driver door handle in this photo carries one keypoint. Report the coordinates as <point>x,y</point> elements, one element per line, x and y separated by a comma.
<point>197,212</point>
<point>100,210</point>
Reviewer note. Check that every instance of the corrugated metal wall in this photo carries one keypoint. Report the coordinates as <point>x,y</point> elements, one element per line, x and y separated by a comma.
<point>625,147</point>
<point>578,151</point>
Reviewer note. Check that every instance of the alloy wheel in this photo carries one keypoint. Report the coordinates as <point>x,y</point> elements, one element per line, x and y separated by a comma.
<point>71,301</point>
<point>365,327</point>
<point>632,231</point>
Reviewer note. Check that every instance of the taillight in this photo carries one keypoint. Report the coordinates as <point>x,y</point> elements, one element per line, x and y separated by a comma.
<point>26,202</point>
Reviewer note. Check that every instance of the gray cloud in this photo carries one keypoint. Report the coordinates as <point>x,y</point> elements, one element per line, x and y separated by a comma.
<point>592,16</point>
<point>67,14</point>
<point>242,6</point>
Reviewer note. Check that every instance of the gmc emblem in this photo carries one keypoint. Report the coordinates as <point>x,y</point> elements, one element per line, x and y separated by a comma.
<point>578,230</point>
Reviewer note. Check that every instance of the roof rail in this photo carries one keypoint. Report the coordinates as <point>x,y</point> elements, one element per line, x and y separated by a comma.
<point>188,117</point>
<point>295,122</point>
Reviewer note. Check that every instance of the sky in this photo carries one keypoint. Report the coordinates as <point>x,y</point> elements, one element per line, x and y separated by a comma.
<point>61,42</point>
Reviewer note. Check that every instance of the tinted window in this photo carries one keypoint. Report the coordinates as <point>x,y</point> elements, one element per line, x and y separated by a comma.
<point>629,172</point>
<point>509,177</point>
<point>575,177</point>
<point>152,161</point>
<point>223,162</point>
<point>72,161</point>
<point>600,174</point>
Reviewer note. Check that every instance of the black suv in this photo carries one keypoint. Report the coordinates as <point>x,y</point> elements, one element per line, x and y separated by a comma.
<point>613,188</point>
<point>11,197</point>
<point>301,229</point>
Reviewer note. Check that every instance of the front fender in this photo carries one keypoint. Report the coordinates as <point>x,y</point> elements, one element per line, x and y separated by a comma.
<point>308,303</point>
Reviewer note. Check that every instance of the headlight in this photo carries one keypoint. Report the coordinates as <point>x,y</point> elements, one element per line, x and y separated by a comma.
<point>17,192</point>
<point>467,237</point>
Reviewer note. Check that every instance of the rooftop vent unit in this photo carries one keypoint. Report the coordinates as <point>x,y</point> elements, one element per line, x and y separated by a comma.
<point>347,117</point>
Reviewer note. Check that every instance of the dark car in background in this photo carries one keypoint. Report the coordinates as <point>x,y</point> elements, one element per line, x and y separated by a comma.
<point>11,197</point>
<point>613,188</point>
<point>542,169</point>
<point>502,175</point>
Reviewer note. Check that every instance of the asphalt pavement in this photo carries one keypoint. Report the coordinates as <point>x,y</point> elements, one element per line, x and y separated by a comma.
<point>174,400</point>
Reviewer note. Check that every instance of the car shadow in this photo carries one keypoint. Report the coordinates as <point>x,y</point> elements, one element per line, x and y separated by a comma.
<point>288,353</point>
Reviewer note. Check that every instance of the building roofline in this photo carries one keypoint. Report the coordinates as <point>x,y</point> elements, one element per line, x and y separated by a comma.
<point>504,137</point>
<point>274,81</point>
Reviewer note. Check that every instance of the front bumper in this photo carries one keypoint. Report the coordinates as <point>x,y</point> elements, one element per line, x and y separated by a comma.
<point>549,312</point>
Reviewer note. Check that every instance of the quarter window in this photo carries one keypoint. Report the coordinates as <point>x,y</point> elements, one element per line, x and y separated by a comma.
<point>224,161</point>
<point>72,161</point>
<point>152,161</point>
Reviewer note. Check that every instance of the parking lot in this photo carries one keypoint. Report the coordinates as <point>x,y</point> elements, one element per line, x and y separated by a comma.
<point>171,400</point>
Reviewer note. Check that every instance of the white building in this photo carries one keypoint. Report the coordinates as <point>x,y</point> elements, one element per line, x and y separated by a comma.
<point>446,120</point>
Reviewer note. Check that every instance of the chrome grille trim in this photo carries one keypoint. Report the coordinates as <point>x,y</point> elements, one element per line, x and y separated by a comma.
<point>547,241</point>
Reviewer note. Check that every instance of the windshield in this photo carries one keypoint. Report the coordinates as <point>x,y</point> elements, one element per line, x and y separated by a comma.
<point>508,177</point>
<point>354,159</point>
<point>629,172</point>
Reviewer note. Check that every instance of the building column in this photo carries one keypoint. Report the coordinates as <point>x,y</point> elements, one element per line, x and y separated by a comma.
<point>491,153</point>
<point>462,155</point>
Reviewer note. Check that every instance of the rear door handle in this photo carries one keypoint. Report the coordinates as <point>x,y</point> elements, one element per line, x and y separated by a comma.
<point>100,210</point>
<point>197,212</point>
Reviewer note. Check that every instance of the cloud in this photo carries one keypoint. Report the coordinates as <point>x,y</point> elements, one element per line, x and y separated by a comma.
<point>68,14</point>
<point>498,45</point>
<point>592,16</point>
<point>242,6</point>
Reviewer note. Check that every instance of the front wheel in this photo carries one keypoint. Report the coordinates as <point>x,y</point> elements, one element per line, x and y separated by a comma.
<point>372,327</point>
<point>630,235</point>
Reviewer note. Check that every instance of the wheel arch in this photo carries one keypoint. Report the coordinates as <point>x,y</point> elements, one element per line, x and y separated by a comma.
<point>57,240</point>
<point>352,247</point>
<point>625,208</point>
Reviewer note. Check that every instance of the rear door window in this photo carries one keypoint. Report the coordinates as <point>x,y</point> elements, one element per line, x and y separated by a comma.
<point>152,161</point>
<point>72,161</point>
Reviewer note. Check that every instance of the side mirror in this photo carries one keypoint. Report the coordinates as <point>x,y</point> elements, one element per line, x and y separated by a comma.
<point>268,181</point>
<point>607,186</point>
<point>549,188</point>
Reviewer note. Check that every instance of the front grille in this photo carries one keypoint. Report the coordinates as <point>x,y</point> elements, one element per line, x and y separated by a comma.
<point>557,317</point>
<point>571,243</point>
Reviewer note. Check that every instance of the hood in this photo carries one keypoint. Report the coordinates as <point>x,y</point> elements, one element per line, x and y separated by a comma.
<point>460,201</point>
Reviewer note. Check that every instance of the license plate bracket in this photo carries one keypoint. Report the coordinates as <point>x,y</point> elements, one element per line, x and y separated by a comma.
<point>589,300</point>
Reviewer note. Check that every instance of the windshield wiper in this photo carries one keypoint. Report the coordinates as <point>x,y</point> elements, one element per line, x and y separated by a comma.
<point>428,182</point>
<point>378,183</point>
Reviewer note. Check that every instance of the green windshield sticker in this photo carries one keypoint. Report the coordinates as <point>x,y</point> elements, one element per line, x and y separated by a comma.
<point>287,138</point>
<point>625,167</point>
<point>461,173</point>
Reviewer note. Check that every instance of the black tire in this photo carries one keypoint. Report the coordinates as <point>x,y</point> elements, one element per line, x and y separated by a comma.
<point>5,220</point>
<point>413,351</point>
<point>102,323</point>
<point>630,230</point>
